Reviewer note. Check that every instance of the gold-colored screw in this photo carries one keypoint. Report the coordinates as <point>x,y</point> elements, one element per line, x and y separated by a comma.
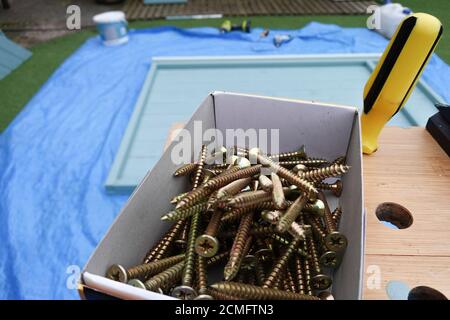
<point>237,250</point>
<point>337,213</point>
<point>165,243</point>
<point>291,214</point>
<point>299,275</point>
<point>326,172</point>
<point>295,229</point>
<point>317,208</point>
<point>281,264</point>
<point>286,242</point>
<point>290,280</point>
<point>247,199</point>
<point>277,192</point>
<point>168,277</point>
<point>207,245</point>
<point>185,169</point>
<point>217,295</point>
<point>304,185</point>
<point>307,163</point>
<point>247,291</point>
<point>339,160</point>
<point>233,188</point>
<point>119,273</point>
<point>307,274</point>
<point>202,280</point>
<point>199,169</point>
<point>178,197</point>
<point>334,240</point>
<point>193,197</point>
<point>300,153</point>
<point>222,180</point>
<point>187,212</point>
<point>336,187</point>
<point>320,281</point>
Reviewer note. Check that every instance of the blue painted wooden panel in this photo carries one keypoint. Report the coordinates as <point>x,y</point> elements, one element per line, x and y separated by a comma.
<point>176,86</point>
<point>11,55</point>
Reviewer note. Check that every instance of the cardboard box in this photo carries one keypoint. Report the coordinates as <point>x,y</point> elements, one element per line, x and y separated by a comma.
<point>327,131</point>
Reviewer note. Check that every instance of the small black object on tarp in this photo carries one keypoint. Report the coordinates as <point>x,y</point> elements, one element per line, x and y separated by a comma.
<point>439,126</point>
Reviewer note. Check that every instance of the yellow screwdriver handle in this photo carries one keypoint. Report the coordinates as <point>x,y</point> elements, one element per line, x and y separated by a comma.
<point>396,74</point>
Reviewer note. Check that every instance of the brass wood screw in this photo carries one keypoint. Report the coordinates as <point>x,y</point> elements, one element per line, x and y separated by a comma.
<point>220,181</point>
<point>291,214</point>
<point>119,273</point>
<point>326,172</point>
<point>233,188</point>
<point>296,230</point>
<point>179,214</point>
<point>304,185</point>
<point>193,197</point>
<point>217,295</point>
<point>168,277</point>
<point>307,163</point>
<point>339,160</point>
<point>307,274</point>
<point>178,197</point>
<point>300,153</point>
<point>247,199</point>
<point>247,291</point>
<point>237,250</point>
<point>320,281</point>
<point>163,245</point>
<point>290,280</point>
<point>199,169</point>
<point>281,264</point>
<point>299,275</point>
<point>334,240</point>
<point>202,280</point>
<point>336,187</point>
<point>337,213</point>
<point>185,169</point>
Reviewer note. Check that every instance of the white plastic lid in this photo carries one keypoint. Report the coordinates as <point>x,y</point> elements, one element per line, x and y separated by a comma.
<point>110,16</point>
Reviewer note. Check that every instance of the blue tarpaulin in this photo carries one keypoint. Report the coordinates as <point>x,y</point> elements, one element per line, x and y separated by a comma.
<point>56,154</point>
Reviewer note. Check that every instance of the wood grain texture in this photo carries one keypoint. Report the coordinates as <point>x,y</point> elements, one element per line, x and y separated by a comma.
<point>410,169</point>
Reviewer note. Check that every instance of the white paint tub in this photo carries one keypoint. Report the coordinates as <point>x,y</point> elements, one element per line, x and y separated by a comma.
<point>112,27</point>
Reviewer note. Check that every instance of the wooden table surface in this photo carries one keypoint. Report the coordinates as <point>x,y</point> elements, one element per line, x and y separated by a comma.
<point>412,170</point>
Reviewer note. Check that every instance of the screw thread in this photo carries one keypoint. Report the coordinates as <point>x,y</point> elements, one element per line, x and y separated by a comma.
<point>260,272</point>
<point>316,227</point>
<point>336,187</point>
<point>248,291</point>
<point>166,278</point>
<point>185,169</point>
<point>217,258</point>
<point>299,275</point>
<point>193,197</point>
<point>290,280</point>
<point>236,213</point>
<point>184,213</point>
<point>199,169</point>
<point>294,179</point>
<point>308,163</point>
<point>289,155</point>
<point>337,214</point>
<point>146,270</point>
<point>189,267</point>
<point>291,214</point>
<point>221,295</point>
<point>237,250</point>
<point>233,188</point>
<point>178,197</point>
<point>214,223</point>
<point>307,268</point>
<point>248,199</point>
<point>222,180</point>
<point>202,279</point>
<point>163,245</point>
<point>339,160</point>
<point>281,264</point>
<point>323,173</point>
<point>330,225</point>
<point>314,256</point>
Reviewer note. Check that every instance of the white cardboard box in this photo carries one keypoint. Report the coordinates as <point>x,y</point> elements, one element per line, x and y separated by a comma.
<point>327,131</point>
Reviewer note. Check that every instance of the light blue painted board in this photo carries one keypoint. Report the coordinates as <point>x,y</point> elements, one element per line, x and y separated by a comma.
<point>175,87</point>
<point>11,56</point>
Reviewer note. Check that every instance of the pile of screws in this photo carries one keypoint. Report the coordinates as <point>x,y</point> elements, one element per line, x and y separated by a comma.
<point>262,220</point>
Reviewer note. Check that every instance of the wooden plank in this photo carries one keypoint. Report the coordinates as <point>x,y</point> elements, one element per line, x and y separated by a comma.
<point>412,270</point>
<point>410,169</point>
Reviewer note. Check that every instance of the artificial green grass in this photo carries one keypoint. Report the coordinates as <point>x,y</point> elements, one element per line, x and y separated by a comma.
<point>19,87</point>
